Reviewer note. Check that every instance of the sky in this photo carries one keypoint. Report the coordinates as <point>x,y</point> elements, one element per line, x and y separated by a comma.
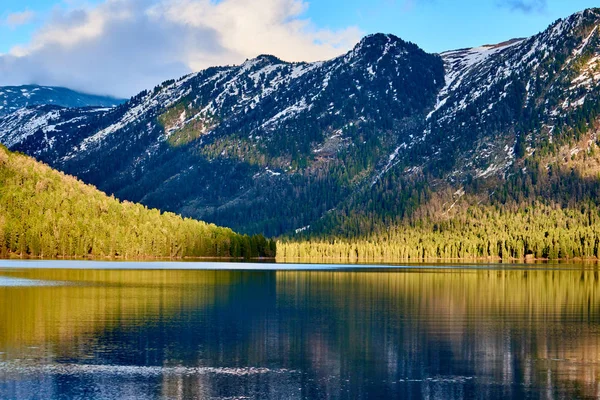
<point>120,47</point>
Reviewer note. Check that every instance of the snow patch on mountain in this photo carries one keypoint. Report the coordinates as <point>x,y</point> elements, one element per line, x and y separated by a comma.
<point>459,64</point>
<point>13,98</point>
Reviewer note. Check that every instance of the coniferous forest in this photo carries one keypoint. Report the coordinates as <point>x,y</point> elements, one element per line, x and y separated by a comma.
<point>45,213</point>
<point>536,232</point>
<point>548,208</point>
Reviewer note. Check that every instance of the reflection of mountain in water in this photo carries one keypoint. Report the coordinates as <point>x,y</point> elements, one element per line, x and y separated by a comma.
<point>510,331</point>
<point>202,334</point>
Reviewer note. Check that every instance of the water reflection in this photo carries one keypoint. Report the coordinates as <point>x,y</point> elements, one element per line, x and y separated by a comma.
<point>447,334</point>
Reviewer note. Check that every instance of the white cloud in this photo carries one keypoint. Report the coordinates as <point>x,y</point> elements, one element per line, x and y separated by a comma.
<point>17,19</point>
<point>122,46</point>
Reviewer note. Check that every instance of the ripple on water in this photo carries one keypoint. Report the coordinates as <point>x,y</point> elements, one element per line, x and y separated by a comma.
<point>137,371</point>
<point>20,282</point>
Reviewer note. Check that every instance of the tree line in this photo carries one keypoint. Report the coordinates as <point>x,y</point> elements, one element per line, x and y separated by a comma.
<point>539,231</point>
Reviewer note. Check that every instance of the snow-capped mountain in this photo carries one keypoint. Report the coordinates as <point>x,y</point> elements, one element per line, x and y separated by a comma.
<point>275,147</point>
<point>13,98</point>
<point>522,90</point>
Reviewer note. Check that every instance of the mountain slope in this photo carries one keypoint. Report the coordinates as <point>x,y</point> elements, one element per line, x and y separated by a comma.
<point>383,135</point>
<point>522,90</point>
<point>47,214</point>
<point>245,145</point>
<point>13,98</point>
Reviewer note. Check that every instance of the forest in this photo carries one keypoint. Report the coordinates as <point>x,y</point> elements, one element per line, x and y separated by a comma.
<point>548,207</point>
<point>538,231</point>
<point>45,213</point>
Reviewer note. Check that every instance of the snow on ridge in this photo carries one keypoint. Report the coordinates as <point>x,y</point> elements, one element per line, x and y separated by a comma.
<point>166,97</point>
<point>130,116</point>
<point>386,49</point>
<point>354,56</point>
<point>266,71</point>
<point>233,84</point>
<point>20,125</point>
<point>288,113</point>
<point>249,64</point>
<point>248,99</point>
<point>586,41</point>
<point>228,82</point>
<point>459,63</point>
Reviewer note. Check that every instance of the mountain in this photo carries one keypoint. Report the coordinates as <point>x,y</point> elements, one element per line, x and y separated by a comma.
<point>244,145</point>
<point>385,135</point>
<point>13,98</point>
<point>80,221</point>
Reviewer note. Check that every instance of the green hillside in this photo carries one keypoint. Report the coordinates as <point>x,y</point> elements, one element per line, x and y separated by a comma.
<point>45,213</point>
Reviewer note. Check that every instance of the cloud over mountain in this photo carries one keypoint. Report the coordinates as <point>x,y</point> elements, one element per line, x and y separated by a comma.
<point>122,46</point>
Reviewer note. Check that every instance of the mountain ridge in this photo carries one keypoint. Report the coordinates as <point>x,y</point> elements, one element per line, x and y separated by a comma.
<point>273,147</point>
<point>13,98</point>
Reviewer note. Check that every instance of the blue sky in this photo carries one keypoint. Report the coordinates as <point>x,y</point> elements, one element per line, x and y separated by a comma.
<point>40,9</point>
<point>438,25</point>
<point>435,25</point>
<point>120,47</point>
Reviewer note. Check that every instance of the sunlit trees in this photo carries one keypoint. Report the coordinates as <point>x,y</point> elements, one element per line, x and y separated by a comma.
<point>44,213</point>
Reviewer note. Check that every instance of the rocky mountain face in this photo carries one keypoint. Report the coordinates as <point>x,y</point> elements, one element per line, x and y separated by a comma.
<point>13,98</point>
<point>336,147</point>
<point>516,94</point>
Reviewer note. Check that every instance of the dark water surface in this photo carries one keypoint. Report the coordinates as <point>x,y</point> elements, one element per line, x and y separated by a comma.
<point>443,333</point>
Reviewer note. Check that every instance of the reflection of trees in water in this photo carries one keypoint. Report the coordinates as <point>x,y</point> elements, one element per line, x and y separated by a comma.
<point>93,302</point>
<point>510,328</point>
<point>349,333</point>
<point>159,318</point>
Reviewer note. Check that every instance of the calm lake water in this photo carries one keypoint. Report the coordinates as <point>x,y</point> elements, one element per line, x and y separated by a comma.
<point>435,333</point>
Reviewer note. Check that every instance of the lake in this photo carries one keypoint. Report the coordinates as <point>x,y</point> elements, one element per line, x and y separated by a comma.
<point>81,330</point>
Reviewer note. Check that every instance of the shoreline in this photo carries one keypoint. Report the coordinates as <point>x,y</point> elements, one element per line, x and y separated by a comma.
<point>56,264</point>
